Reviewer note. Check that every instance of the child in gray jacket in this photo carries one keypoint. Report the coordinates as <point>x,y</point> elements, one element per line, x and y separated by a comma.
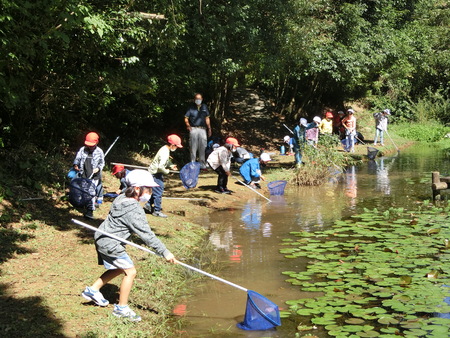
<point>125,217</point>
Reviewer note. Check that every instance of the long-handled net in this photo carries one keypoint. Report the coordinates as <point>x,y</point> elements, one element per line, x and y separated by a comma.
<point>81,192</point>
<point>372,153</point>
<point>189,174</point>
<point>260,313</point>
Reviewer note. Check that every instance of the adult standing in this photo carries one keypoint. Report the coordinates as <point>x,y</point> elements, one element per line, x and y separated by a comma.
<point>349,123</point>
<point>381,122</point>
<point>198,124</point>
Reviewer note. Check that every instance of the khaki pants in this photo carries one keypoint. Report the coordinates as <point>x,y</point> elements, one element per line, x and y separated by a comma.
<point>197,142</point>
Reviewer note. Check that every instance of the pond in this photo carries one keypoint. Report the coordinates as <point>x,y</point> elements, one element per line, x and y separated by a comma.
<point>248,237</point>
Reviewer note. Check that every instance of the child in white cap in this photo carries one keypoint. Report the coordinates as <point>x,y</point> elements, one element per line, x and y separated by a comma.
<point>125,217</point>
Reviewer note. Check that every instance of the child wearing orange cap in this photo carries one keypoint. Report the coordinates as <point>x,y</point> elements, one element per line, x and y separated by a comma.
<point>326,125</point>
<point>89,163</point>
<point>220,161</point>
<point>120,173</point>
<point>159,167</point>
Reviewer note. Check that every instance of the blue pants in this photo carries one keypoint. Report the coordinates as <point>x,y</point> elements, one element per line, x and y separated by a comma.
<point>157,192</point>
<point>298,154</point>
<point>378,134</point>
<point>350,146</point>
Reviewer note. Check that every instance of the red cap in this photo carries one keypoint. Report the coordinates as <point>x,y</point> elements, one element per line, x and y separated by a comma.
<point>329,115</point>
<point>175,140</point>
<point>233,141</point>
<point>91,139</point>
<point>117,169</point>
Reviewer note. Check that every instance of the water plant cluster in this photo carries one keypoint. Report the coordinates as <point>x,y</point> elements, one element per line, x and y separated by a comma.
<point>321,164</point>
<point>377,274</point>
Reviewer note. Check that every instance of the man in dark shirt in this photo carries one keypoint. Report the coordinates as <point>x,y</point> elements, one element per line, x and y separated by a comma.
<point>198,124</point>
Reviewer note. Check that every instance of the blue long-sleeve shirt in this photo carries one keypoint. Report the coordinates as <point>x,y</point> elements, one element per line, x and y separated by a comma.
<point>250,169</point>
<point>300,133</point>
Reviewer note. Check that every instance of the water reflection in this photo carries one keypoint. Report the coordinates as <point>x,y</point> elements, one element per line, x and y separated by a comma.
<point>351,188</point>
<point>252,235</point>
<point>251,215</point>
<point>381,168</point>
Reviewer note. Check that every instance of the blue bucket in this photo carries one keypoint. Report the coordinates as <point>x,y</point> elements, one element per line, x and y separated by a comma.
<point>276,188</point>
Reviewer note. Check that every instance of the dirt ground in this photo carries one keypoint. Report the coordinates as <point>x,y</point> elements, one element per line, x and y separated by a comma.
<point>47,260</point>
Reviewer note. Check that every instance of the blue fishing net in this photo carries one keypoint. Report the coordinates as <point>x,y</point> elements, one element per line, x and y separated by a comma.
<point>260,314</point>
<point>189,174</point>
<point>277,187</point>
<point>81,192</point>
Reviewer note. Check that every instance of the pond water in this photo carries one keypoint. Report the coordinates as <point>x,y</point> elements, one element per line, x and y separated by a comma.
<point>248,237</point>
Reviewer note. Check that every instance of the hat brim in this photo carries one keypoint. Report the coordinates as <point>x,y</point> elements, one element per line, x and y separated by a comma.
<point>179,145</point>
<point>152,186</point>
<point>90,144</point>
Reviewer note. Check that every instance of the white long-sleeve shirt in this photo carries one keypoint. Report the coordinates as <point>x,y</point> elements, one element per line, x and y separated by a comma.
<point>220,157</point>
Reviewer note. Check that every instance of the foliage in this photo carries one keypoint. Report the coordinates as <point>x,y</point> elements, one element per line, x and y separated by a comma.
<point>71,66</point>
<point>427,132</point>
<point>378,273</point>
<point>320,164</point>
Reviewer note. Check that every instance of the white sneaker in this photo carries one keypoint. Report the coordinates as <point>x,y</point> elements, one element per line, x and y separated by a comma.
<point>126,312</point>
<point>94,296</point>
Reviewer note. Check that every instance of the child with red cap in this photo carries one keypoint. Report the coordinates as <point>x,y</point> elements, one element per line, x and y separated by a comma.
<point>120,173</point>
<point>220,161</point>
<point>159,167</point>
<point>89,163</point>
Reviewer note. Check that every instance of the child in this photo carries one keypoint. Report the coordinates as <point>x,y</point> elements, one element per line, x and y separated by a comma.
<point>240,155</point>
<point>312,133</point>
<point>220,161</point>
<point>120,173</point>
<point>349,123</point>
<point>251,170</point>
<point>289,145</point>
<point>89,163</point>
<point>158,168</point>
<point>326,125</point>
<point>125,217</point>
<point>299,139</point>
<point>381,122</point>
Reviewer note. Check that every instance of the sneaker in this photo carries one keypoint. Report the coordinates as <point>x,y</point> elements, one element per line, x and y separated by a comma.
<point>229,191</point>
<point>94,296</point>
<point>159,214</point>
<point>126,312</point>
<point>148,210</point>
<point>257,186</point>
<point>89,214</point>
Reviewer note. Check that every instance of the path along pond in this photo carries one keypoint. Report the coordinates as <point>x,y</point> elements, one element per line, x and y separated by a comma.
<point>248,237</point>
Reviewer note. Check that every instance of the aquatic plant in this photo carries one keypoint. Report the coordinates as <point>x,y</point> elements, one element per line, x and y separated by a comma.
<point>320,164</point>
<point>377,274</point>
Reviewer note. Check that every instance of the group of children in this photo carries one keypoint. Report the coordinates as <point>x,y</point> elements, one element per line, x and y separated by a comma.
<point>142,190</point>
<point>341,124</point>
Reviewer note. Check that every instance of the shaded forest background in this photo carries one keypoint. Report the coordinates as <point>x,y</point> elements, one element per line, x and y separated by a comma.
<point>70,66</point>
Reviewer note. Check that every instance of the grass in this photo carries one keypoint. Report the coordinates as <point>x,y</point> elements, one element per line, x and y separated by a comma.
<point>46,260</point>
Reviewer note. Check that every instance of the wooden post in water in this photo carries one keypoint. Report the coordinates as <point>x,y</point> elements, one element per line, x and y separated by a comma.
<point>438,185</point>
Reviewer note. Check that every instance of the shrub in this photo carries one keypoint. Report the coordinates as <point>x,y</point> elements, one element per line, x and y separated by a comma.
<point>321,164</point>
<point>425,132</point>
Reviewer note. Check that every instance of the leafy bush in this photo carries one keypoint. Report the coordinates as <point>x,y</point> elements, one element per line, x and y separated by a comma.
<point>425,132</point>
<point>321,164</point>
